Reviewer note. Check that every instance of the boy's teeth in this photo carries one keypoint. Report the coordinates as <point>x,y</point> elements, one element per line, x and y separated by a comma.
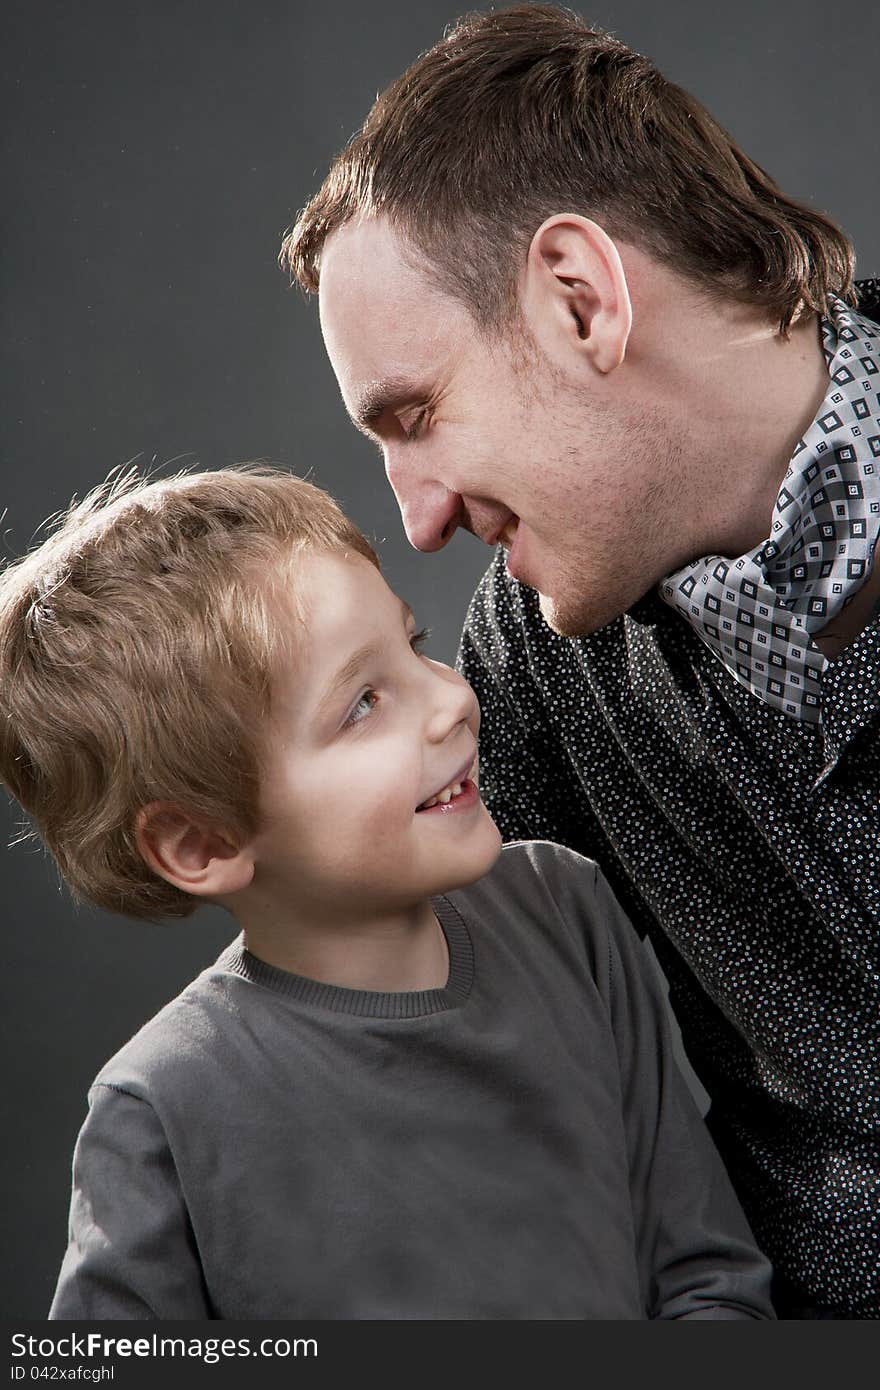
<point>444,797</point>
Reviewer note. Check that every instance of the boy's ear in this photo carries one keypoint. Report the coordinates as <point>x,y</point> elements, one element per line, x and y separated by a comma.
<point>198,859</point>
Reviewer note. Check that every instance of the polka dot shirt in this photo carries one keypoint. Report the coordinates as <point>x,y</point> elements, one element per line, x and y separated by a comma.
<point>745,844</point>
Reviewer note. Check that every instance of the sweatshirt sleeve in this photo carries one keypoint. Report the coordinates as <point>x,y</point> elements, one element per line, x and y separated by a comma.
<point>131,1251</point>
<point>697,1257</point>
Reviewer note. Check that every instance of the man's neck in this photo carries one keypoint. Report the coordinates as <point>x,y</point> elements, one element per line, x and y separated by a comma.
<point>777,394</point>
<point>737,397</point>
<point>403,951</point>
<point>769,394</point>
<point>763,393</point>
<point>778,397</point>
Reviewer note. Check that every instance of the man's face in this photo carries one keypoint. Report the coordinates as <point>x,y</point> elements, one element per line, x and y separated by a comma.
<point>492,436</point>
<point>364,730</point>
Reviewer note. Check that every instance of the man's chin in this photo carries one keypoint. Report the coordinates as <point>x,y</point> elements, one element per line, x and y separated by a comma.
<point>568,619</point>
<point>562,621</point>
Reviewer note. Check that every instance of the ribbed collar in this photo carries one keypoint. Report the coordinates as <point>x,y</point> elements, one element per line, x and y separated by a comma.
<point>364,1003</point>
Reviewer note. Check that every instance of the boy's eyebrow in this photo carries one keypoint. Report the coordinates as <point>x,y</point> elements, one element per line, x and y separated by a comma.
<point>347,673</point>
<point>379,396</point>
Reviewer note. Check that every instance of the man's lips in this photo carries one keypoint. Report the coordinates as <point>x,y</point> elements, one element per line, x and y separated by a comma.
<point>512,542</point>
<point>503,535</point>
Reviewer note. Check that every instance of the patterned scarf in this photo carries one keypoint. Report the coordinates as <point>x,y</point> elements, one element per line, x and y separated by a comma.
<point>758,612</point>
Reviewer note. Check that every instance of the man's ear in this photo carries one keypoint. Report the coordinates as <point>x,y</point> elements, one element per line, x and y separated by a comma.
<point>199,859</point>
<point>574,293</point>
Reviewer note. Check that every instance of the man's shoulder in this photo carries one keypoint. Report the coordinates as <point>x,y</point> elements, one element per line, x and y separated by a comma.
<point>868,292</point>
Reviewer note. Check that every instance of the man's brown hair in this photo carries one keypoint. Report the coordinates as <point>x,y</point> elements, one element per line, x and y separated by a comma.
<point>521,113</point>
<point>137,648</point>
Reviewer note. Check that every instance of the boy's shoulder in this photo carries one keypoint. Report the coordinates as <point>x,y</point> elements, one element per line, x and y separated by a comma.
<point>538,869</point>
<point>543,887</point>
<point>194,1026</point>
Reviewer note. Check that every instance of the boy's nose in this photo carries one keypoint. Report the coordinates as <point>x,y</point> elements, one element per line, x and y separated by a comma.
<point>453,704</point>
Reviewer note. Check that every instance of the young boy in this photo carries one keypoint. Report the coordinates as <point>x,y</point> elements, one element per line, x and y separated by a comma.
<point>431,1078</point>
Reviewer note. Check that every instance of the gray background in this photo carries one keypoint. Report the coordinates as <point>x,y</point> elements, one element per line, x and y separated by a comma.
<point>153,156</point>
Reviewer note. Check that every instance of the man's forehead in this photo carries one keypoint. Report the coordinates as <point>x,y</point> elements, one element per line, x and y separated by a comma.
<point>363,257</point>
<point>368,307</point>
<point>390,333</point>
<point>373,292</point>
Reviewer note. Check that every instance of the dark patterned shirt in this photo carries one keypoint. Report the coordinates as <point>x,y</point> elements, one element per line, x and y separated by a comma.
<point>745,844</point>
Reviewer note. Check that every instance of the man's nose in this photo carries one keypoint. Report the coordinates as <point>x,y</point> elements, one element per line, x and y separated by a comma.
<point>429,510</point>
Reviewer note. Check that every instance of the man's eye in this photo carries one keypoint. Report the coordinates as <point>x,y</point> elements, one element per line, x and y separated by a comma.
<point>361,708</point>
<point>413,428</point>
<point>418,639</point>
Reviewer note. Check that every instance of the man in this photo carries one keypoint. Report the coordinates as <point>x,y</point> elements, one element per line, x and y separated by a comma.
<point>585,326</point>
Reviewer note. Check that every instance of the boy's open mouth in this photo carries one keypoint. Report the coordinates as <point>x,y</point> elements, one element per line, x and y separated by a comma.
<point>461,782</point>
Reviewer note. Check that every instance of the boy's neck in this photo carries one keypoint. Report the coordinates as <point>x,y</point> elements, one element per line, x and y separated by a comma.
<point>404,952</point>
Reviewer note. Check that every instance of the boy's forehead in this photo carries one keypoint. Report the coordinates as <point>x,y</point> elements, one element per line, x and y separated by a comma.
<point>338,588</point>
<point>314,585</point>
<point>336,602</point>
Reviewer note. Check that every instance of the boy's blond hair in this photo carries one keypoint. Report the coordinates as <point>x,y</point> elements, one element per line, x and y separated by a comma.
<point>137,647</point>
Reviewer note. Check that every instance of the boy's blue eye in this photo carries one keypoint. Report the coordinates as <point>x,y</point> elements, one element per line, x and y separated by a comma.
<point>365,703</point>
<point>362,707</point>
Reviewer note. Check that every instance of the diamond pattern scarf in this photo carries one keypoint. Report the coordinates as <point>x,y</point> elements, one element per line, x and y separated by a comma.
<point>758,612</point>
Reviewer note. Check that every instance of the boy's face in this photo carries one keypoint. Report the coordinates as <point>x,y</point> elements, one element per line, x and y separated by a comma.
<point>364,730</point>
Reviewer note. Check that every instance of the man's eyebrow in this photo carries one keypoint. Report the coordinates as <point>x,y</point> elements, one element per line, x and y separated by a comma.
<point>379,396</point>
<point>356,661</point>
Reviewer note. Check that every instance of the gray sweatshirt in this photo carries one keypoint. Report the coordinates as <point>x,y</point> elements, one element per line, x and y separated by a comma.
<point>519,1144</point>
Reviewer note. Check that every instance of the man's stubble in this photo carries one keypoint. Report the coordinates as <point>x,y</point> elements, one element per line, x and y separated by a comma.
<point>627,505</point>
